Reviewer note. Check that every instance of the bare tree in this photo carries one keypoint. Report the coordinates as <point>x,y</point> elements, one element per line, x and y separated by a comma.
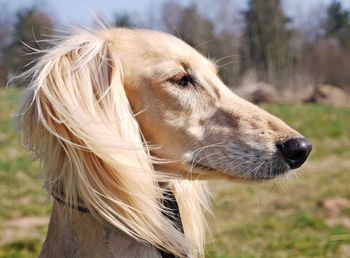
<point>328,62</point>
<point>31,25</point>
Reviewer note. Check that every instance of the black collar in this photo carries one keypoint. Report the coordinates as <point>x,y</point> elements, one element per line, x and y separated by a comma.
<point>169,203</point>
<point>78,207</point>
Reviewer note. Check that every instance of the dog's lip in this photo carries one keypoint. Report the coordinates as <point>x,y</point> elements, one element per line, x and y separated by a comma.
<point>260,178</point>
<point>204,167</point>
<point>256,178</point>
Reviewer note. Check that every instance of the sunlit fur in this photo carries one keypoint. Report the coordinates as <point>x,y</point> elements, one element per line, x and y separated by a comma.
<point>111,132</point>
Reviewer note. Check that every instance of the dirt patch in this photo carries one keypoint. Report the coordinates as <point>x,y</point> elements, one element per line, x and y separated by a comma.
<point>332,209</point>
<point>344,251</point>
<point>333,206</point>
<point>27,222</point>
<point>20,228</point>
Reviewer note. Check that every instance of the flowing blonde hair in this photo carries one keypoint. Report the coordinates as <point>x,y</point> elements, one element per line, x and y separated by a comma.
<point>76,118</point>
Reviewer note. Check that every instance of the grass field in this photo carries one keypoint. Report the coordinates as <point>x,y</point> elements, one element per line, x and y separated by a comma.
<point>304,215</point>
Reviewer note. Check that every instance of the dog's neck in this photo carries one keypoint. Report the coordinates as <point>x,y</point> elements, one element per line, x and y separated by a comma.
<point>80,234</point>
<point>75,233</point>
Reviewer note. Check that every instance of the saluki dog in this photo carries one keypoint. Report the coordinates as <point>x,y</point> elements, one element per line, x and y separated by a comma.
<point>128,125</point>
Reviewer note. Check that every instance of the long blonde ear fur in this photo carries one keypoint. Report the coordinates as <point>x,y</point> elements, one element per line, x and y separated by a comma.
<point>77,120</point>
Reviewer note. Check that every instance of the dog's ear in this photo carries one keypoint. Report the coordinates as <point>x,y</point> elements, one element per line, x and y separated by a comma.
<point>77,119</point>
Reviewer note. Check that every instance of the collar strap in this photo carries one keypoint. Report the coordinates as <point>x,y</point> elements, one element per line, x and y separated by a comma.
<point>77,207</point>
<point>169,203</point>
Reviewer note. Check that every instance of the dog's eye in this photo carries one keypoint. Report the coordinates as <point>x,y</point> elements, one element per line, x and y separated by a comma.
<point>182,80</point>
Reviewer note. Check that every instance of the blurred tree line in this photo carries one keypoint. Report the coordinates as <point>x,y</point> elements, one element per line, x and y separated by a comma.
<point>19,35</point>
<point>259,40</point>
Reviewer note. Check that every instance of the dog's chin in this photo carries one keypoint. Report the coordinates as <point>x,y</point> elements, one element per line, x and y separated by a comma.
<point>206,172</point>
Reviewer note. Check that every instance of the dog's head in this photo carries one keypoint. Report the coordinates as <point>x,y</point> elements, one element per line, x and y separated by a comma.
<point>202,127</point>
<point>107,111</point>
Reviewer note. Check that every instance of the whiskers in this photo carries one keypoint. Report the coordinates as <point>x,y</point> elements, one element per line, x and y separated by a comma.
<point>237,160</point>
<point>197,152</point>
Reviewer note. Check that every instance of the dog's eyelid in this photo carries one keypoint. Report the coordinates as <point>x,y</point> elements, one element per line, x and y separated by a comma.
<point>183,79</point>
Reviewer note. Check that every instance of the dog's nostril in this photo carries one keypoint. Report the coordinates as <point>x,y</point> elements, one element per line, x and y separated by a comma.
<point>295,151</point>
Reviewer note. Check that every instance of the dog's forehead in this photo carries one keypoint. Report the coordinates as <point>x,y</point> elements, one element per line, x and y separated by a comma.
<point>152,47</point>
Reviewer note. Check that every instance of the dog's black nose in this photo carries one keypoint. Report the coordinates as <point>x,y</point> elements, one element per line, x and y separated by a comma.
<point>295,151</point>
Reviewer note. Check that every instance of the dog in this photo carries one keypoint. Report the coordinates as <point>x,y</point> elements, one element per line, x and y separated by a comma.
<point>128,126</point>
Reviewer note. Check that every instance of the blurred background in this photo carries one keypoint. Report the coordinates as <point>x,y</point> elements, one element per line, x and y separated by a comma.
<point>292,57</point>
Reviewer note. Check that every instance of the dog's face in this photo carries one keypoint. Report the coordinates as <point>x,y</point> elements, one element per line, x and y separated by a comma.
<point>198,124</point>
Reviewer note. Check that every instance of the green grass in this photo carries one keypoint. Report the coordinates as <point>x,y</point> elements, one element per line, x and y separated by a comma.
<point>21,193</point>
<point>273,220</point>
<point>22,248</point>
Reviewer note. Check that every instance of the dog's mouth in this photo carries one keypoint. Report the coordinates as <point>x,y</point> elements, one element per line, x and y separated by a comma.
<point>268,170</point>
